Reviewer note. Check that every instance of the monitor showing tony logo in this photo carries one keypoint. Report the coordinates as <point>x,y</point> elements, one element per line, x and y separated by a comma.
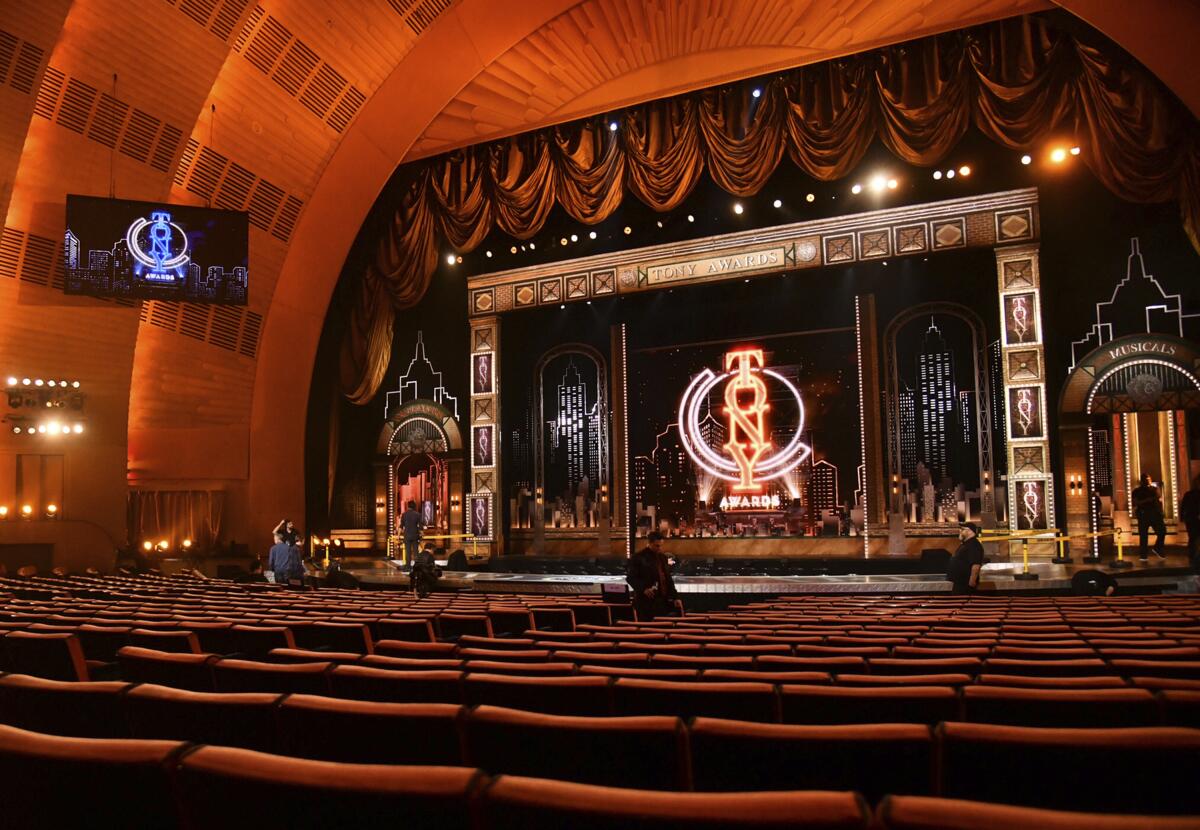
<point>156,251</point>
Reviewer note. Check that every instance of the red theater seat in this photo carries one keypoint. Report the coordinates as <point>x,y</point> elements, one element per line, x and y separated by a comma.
<point>57,656</point>
<point>516,802</point>
<point>408,629</point>
<point>737,701</point>
<point>181,671</point>
<point>369,732</point>
<point>249,676</point>
<point>910,665</point>
<point>1060,707</point>
<point>1183,669</point>
<point>1084,667</point>
<point>217,786</point>
<point>241,719</point>
<point>59,707</point>
<point>304,655</point>
<point>386,685</point>
<point>527,669</point>
<point>183,642</point>
<point>1180,708</point>
<point>874,759</point>
<point>451,626</point>
<point>919,813</point>
<point>1025,681</point>
<point>647,752</point>
<point>1147,770</point>
<point>901,680</point>
<point>551,695</point>
<point>399,648</point>
<point>257,640</point>
<point>877,704</point>
<point>384,661</point>
<point>52,781</point>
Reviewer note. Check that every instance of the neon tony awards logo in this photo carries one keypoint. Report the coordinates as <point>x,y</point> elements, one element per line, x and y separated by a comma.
<point>159,248</point>
<point>748,458</point>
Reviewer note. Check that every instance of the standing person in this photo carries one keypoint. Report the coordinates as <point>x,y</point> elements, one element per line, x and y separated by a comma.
<point>1147,503</point>
<point>284,560</point>
<point>967,561</point>
<point>1189,513</point>
<point>424,572</point>
<point>411,524</point>
<point>288,529</point>
<point>649,574</point>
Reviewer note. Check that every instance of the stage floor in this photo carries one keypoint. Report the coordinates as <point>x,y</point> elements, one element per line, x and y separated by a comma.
<point>1172,574</point>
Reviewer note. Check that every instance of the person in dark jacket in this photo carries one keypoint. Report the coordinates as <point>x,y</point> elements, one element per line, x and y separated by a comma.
<point>284,560</point>
<point>967,562</point>
<point>649,575</point>
<point>411,525</point>
<point>1148,507</point>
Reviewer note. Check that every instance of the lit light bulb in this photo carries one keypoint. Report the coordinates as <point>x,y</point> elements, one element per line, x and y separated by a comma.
<point>949,174</point>
<point>574,237</point>
<point>1027,159</point>
<point>489,254</point>
<point>1058,155</point>
<point>1074,151</point>
<point>778,203</point>
<point>756,93</point>
<point>39,382</point>
<point>78,428</point>
<point>3,511</point>
<point>964,170</point>
<point>147,546</point>
<point>449,259</point>
<point>856,189</point>
<point>26,510</point>
<point>878,183</point>
<point>12,381</point>
<point>893,184</point>
<point>811,197</point>
<point>737,208</point>
<point>592,235</point>
<point>691,218</point>
<point>937,174</point>
<point>628,230</point>
<point>612,126</point>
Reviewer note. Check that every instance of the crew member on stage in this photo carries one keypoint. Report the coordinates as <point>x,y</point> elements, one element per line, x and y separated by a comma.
<point>1147,501</point>
<point>411,524</point>
<point>967,561</point>
<point>649,575</point>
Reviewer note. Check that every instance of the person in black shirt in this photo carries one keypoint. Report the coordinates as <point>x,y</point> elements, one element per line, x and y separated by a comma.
<point>649,574</point>
<point>1189,513</point>
<point>411,524</point>
<point>1147,503</point>
<point>967,561</point>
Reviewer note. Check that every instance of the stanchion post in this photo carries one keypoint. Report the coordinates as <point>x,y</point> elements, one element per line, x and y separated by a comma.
<point>1090,558</point>
<point>1061,539</point>
<point>1025,573</point>
<point>1120,562</point>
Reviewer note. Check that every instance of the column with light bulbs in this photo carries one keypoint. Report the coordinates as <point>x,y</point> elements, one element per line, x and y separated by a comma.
<point>482,508</point>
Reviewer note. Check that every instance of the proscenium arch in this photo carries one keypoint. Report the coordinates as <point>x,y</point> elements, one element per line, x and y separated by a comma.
<point>1074,402</point>
<point>983,411</point>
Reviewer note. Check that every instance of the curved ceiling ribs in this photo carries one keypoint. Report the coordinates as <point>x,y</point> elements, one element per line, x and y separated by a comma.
<point>316,103</point>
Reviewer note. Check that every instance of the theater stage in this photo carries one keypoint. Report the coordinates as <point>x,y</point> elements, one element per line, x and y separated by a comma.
<point>998,578</point>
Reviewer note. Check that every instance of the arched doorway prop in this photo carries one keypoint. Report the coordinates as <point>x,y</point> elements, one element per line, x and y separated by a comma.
<point>978,410</point>
<point>419,457</point>
<point>1006,222</point>
<point>1128,408</point>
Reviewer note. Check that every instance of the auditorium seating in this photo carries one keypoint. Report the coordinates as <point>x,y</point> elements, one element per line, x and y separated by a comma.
<point>323,674</point>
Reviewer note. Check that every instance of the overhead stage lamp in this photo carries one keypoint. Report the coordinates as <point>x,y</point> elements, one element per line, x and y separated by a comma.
<point>3,512</point>
<point>778,203</point>
<point>147,545</point>
<point>592,235</point>
<point>737,208</point>
<point>1026,159</point>
<point>1074,151</point>
<point>26,511</point>
<point>937,174</point>
<point>12,381</point>
<point>52,511</point>
<point>449,259</point>
<point>163,545</point>
<point>574,237</point>
<point>489,254</point>
<point>949,174</point>
<point>533,246</point>
<point>187,544</point>
<point>811,197</point>
<point>856,189</point>
<point>1058,155</point>
<point>628,230</point>
<point>612,126</point>
<point>964,170</point>
<point>757,92</point>
<point>893,184</point>
<point>878,183</point>
<point>691,218</point>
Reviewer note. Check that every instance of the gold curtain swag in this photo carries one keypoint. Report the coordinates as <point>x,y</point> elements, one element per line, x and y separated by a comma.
<point>1020,81</point>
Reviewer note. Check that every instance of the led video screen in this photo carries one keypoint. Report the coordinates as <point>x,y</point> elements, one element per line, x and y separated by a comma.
<point>156,251</point>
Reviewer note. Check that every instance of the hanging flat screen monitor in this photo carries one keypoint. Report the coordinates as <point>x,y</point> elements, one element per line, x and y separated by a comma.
<point>156,251</point>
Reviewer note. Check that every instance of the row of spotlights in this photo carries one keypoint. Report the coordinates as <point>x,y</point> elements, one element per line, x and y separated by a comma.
<point>163,544</point>
<point>14,381</point>
<point>27,511</point>
<point>1058,155</point>
<point>963,171</point>
<point>52,428</point>
<point>877,184</point>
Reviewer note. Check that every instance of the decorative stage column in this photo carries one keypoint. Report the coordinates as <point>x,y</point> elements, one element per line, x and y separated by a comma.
<point>484,510</point>
<point>1030,482</point>
<point>870,392</point>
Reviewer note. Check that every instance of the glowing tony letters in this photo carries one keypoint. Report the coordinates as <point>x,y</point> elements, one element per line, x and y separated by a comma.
<point>746,459</point>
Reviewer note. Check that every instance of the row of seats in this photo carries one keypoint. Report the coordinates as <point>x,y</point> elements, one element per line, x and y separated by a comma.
<point>797,697</point>
<point>170,784</point>
<point>660,751</point>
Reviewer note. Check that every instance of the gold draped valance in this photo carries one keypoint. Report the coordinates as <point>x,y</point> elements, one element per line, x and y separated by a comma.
<point>1020,82</point>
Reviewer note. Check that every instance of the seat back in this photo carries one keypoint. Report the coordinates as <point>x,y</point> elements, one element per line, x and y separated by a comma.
<point>921,813</point>
<point>874,759</point>
<point>184,642</point>
<point>1155,767</point>
<point>56,656</point>
<point>647,752</point>
<point>240,719</point>
<point>517,802</point>
<point>60,707</point>
<point>868,704</point>
<point>369,732</point>
<point>180,671</point>
<point>215,784</point>
<point>291,678</point>
<point>386,685</point>
<point>713,699</point>
<point>70,782</point>
<point>1060,707</point>
<point>586,695</point>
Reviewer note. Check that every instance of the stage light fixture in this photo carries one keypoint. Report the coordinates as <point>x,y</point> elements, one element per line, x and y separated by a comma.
<point>574,237</point>
<point>16,430</point>
<point>26,511</point>
<point>1026,159</point>
<point>937,174</point>
<point>147,545</point>
<point>51,511</point>
<point>1058,155</point>
<point>691,218</point>
<point>1074,151</point>
<point>39,382</point>
<point>878,183</point>
<point>488,254</point>
<point>449,259</point>
<point>562,306</point>
<point>562,241</point>
<point>533,246</point>
<point>3,512</point>
<point>78,428</point>
<point>949,174</point>
<point>25,381</point>
<point>162,545</point>
<point>75,384</point>
<point>187,544</point>
<point>757,92</point>
<point>965,170</point>
<point>811,197</point>
<point>628,230</point>
<point>513,249</point>
<point>66,429</point>
<point>612,126</point>
<point>737,208</point>
<point>856,189</point>
<point>778,203</point>
<point>893,184</point>
<point>12,381</point>
<point>42,428</point>
<point>591,235</point>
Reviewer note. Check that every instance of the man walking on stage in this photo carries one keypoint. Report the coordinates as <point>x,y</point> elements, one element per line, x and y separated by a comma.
<point>1147,502</point>
<point>411,524</point>
<point>967,561</point>
<point>649,574</point>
